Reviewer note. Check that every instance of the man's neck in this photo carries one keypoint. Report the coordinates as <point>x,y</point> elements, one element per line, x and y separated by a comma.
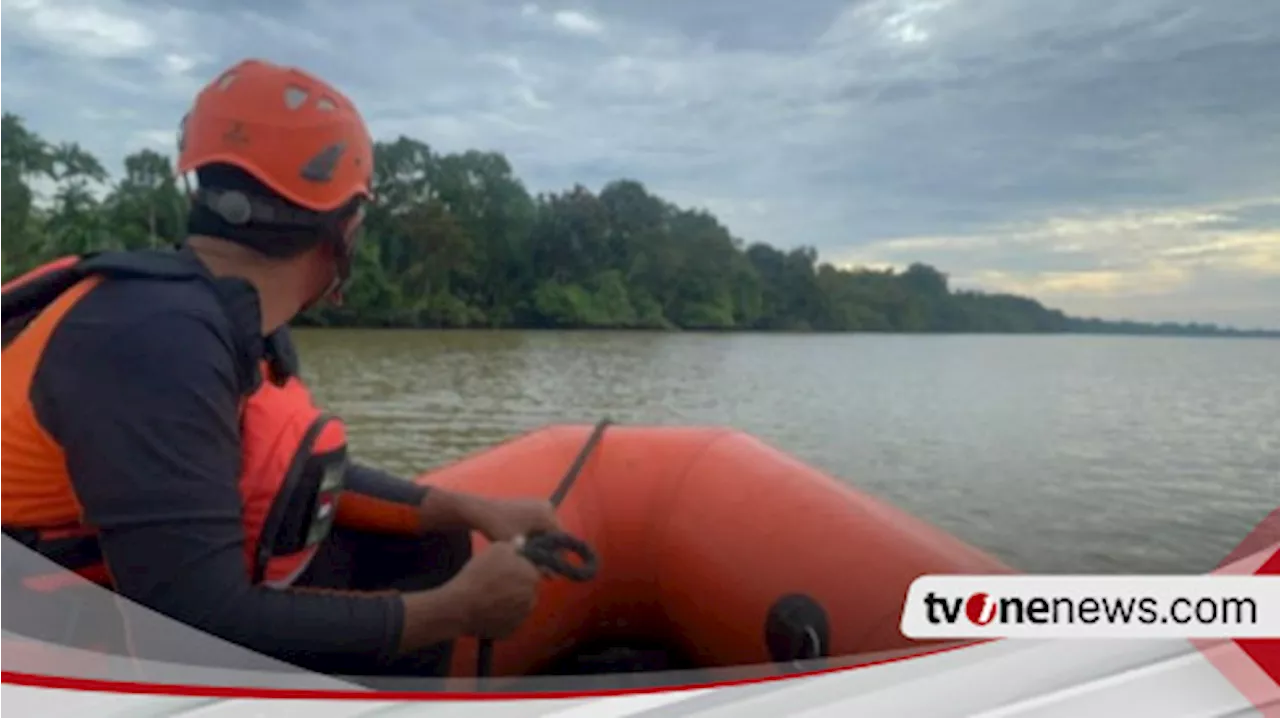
<point>271,281</point>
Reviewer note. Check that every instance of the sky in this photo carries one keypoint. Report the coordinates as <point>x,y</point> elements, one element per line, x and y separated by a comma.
<point>1116,158</point>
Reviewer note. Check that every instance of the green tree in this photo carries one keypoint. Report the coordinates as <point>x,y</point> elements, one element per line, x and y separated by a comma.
<point>456,240</point>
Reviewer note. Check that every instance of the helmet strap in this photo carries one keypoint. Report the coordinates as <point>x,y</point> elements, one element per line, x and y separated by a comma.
<point>343,243</point>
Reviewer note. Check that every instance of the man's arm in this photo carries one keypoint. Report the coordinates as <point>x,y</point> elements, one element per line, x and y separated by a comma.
<point>147,416</point>
<point>375,500</point>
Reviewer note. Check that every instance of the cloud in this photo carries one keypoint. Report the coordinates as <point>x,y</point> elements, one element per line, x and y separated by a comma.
<point>577,23</point>
<point>1118,156</point>
<point>1205,262</point>
<point>83,28</point>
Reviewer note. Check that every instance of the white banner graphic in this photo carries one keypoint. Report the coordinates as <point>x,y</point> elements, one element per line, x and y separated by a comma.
<point>1214,606</point>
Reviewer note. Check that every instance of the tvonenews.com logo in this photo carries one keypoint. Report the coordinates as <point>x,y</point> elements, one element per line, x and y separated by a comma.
<point>1093,606</point>
<point>982,609</point>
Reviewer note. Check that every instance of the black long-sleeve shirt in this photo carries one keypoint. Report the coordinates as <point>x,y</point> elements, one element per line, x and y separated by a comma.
<point>140,385</point>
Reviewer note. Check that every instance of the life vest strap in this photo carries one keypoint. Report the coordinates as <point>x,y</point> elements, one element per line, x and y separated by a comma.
<point>27,296</point>
<point>305,506</point>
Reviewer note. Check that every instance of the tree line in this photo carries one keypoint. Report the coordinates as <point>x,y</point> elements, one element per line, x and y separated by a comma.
<point>456,240</point>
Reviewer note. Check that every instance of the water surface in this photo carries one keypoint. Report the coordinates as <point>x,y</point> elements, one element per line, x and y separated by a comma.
<point>1056,453</point>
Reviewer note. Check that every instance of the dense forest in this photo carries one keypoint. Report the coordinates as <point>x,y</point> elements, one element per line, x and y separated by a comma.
<point>456,240</point>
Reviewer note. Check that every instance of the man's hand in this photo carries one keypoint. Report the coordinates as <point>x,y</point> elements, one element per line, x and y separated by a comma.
<point>497,519</point>
<point>505,519</point>
<point>501,588</point>
<point>490,598</point>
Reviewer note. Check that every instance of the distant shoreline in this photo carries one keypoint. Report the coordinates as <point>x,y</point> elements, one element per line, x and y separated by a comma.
<point>456,241</point>
<point>1237,334</point>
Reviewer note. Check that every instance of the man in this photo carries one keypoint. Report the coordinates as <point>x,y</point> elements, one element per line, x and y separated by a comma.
<point>127,403</point>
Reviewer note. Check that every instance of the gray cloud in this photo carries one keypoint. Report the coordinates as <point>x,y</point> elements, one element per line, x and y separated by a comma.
<point>844,125</point>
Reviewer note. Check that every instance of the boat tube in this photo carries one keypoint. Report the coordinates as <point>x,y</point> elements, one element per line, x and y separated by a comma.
<point>714,550</point>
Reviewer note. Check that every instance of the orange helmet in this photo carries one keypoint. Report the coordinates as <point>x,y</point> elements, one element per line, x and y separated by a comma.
<point>290,130</point>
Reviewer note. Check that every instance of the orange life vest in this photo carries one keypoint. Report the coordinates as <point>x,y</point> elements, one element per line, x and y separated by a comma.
<point>294,456</point>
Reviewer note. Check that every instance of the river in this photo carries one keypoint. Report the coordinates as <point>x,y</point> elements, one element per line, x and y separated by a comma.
<point>1055,453</point>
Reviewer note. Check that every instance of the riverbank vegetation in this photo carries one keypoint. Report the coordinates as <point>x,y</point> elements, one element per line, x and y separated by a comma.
<point>456,240</point>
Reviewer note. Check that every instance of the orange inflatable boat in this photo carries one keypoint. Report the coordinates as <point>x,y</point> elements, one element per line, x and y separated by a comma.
<point>713,548</point>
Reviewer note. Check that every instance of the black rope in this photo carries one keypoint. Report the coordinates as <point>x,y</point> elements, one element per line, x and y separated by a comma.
<point>571,476</point>
<point>547,549</point>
